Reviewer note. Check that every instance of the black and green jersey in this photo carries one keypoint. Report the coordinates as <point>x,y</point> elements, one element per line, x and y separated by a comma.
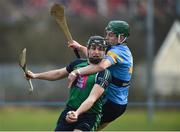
<point>83,85</point>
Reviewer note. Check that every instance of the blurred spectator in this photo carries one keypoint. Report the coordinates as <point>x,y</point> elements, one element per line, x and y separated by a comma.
<point>83,7</point>
<point>115,5</point>
<point>37,3</point>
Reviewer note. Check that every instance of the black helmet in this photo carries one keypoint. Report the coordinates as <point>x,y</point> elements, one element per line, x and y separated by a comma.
<point>96,40</point>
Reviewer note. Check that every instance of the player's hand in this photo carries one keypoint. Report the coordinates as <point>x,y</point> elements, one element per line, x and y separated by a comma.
<point>74,45</point>
<point>71,117</point>
<point>71,78</point>
<point>30,75</point>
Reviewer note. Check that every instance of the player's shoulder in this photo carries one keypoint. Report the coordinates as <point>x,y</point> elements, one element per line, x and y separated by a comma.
<point>114,49</point>
<point>103,78</point>
<point>118,49</point>
<point>113,52</point>
<point>78,61</point>
<point>105,74</point>
<point>75,64</point>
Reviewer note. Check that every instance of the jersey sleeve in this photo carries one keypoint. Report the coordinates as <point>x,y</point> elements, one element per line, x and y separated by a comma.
<point>114,56</point>
<point>103,78</point>
<point>71,66</point>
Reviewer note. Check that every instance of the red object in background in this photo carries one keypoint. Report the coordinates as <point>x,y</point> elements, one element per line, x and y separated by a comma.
<point>85,7</point>
<point>37,3</point>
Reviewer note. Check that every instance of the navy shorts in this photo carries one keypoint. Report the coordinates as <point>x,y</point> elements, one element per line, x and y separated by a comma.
<point>111,111</point>
<point>86,122</point>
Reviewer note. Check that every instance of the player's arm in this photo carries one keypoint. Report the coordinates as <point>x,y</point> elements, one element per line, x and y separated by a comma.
<point>102,81</point>
<point>75,45</point>
<point>91,69</point>
<point>49,75</point>
<point>96,92</point>
<point>53,74</point>
<point>111,58</point>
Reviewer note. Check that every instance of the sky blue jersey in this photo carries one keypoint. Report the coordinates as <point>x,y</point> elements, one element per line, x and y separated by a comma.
<point>122,66</point>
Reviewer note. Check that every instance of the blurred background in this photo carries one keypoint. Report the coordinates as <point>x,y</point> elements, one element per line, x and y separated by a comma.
<point>154,41</point>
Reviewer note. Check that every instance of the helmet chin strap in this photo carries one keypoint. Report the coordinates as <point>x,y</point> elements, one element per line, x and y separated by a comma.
<point>119,36</point>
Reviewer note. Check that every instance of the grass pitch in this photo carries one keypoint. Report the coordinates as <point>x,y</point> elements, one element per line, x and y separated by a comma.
<point>42,119</point>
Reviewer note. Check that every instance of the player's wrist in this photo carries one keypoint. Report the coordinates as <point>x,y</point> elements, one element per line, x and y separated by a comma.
<point>37,76</point>
<point>77,72</point>
<point>77,113</point>
<point>79,47</point>
<point>74,73</point>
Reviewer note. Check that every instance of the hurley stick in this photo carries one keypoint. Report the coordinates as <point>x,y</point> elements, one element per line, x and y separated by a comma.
<point>22,64</point>
<point>58,12</point>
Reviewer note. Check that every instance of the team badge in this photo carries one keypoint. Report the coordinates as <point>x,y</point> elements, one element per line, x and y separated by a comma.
<point>81,81</point>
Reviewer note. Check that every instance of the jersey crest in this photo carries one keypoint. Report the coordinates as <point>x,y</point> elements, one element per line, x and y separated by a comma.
<point>81,81</point>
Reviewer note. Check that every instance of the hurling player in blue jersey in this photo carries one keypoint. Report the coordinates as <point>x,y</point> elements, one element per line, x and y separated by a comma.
<point>119,61</point>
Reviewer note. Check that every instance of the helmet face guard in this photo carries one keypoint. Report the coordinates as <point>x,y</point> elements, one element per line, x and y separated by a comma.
<point>96,41</point>
<point>118,28</point>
